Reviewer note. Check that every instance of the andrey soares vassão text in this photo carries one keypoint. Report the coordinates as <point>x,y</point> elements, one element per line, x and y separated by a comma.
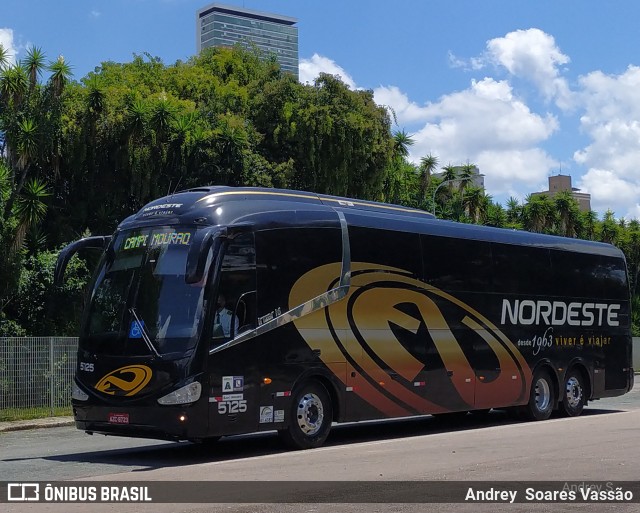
<point>568,493</point>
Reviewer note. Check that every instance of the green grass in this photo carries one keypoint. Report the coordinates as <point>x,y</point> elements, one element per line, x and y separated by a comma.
<point>33,413</point>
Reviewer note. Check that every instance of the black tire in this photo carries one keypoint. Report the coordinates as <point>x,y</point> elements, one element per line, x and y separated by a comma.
<point>574,396</point>
<point>540,406</point>
<point>310,417</point>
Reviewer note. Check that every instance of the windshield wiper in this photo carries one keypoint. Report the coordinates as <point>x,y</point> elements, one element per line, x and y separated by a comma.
<point>143,332</point>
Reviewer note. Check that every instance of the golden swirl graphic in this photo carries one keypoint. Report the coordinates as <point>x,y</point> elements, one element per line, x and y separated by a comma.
<point>125,381</point>
<point>362,325</point>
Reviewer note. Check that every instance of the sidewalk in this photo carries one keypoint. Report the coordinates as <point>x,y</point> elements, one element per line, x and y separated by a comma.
<point>48,422</point>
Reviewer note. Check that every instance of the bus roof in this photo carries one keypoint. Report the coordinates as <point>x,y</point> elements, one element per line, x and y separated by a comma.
<point>222,205</point>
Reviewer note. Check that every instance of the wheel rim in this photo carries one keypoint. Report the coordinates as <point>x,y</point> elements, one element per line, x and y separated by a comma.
<point>573,392</point>
<point>543,394</point>
<point>310,414</point>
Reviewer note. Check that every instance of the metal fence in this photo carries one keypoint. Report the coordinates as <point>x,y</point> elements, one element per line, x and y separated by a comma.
<point>36,376</point>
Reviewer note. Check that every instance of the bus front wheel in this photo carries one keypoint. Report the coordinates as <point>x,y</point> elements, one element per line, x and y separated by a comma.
<point>310,417</point>
<point>541,396</point>
<point>573,394</point>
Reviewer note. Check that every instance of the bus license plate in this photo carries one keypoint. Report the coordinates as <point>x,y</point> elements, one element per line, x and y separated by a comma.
<point>118,418</point>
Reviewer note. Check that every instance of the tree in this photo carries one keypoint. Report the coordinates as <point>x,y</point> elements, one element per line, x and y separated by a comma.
<point>427,165</point>
<point>514,213</point>
<point>588,225</point>
<point>568,213</point>
<point>538,215</point>
<point>476,203</point>
<point>609,229</point>
<point>30,209</point>
<point>465,176</point>
<point>34,64</point>
<point>496,216</point>
<point>401,143</point>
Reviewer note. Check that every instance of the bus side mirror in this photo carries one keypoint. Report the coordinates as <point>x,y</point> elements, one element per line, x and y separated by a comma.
<point>96,242</point>
<point>199,252</point>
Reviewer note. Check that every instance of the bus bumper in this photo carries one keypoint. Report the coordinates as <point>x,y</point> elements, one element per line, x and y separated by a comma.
<point>166,423</point>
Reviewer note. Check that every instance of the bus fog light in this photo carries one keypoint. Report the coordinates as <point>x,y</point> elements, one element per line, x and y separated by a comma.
<point>77,393</point>
<point>187,394</point>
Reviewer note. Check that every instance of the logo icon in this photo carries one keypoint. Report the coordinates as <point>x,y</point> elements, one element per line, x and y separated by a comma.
<point>135,331</point>
<point>232,384</point>
<point>125,381</point>
<point>23,492</point>
<point>266,414</point>
<point>390,324</point>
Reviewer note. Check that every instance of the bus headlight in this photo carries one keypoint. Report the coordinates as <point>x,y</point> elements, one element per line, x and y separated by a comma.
<point>77,393</point>
<point>187,394</point>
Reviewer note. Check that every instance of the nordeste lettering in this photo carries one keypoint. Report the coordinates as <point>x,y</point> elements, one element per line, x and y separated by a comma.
<point>558,313</point>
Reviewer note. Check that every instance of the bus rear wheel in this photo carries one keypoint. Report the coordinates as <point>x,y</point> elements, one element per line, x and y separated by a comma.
<point>573,394</point>
<point>540,404</point>
<point>310,417</point>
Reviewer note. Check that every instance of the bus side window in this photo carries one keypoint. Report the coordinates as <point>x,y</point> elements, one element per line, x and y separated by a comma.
<point>285,255</point>
<point>235,303</point>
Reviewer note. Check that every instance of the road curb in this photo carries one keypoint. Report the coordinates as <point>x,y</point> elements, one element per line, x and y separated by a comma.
<point>20,425</point>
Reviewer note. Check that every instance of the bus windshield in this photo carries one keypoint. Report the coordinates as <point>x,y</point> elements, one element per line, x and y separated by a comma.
<point>140,302</point>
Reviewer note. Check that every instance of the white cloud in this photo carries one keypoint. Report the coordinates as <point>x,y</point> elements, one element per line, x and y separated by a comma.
<point>491,125</point>
<point>309,70</point>
<point>473,64</point>
<point>531,55</point>
<point>95,14</point>
<point>487,125</point>
<point>611,119</point>
<point>608,189</point>
<point>406,111</point>
<point>7,42</point>
<point>516,172</point>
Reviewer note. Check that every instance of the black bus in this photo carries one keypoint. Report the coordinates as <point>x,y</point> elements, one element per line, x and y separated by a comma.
<point>217,311</point>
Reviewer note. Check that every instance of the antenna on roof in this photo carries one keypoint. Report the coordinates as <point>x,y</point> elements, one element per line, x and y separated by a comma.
<point>177,185</point>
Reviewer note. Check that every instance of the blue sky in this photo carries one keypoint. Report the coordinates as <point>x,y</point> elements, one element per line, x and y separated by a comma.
<point>523,89</point>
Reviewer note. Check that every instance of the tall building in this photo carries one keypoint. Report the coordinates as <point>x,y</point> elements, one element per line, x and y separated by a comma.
<point>226,25</point>
<point>560,183</point>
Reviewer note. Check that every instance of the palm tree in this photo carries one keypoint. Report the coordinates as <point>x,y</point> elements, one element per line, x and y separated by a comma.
<point>95,105</point>
<point>34,63</point>
<point>609,229</point>
<point>4,57</point>
<point>27,151</point>
<point>466,175</point>
<point>514,210</point>
<point>161,118</point>
<point>450,172</point>
<point>474,203</point>
<point>30,209</point>
<point>136,119</point>
<point>393,181</point>
<point>401,142</point>
<point>589,223</point>
<point>60,75</point>
<point>496,215</point>
<point>5,181</point>
<point>427,165</point>
<point>538,214</point>
<point>14,86</point>
<point>568,213</point>
<point>631,248</point>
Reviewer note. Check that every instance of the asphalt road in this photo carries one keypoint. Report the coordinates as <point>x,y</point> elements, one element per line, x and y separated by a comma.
<point>600,445</point>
